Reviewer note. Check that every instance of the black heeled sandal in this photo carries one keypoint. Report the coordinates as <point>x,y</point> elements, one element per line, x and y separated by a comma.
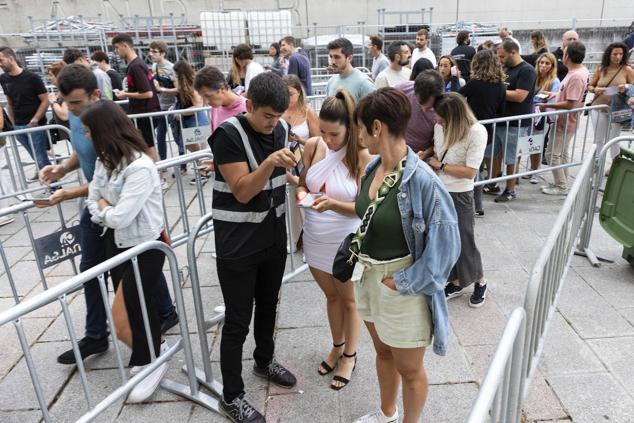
<point>327,367</point>
<point>341,378</point>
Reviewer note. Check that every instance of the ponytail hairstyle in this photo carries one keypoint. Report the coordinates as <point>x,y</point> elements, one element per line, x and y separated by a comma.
<point>458,117</point>
<point>340,109</point>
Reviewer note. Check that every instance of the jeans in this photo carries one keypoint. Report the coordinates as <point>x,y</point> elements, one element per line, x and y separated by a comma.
<point>257,277</point>
<point>93,252</point>
<point>161,135</point>
<point>40,145</point>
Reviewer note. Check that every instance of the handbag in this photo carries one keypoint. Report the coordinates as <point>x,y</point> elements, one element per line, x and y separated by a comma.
<point>620,111</point>
<point>348,251</point>
<point>585,112</point>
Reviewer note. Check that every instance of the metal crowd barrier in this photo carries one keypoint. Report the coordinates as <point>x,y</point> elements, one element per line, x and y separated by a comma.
<point>61,291</point>
<point>499,399</point>
<point>530,141</point>
<point>583,249</point>
<point>544,286</point>
<point>205,376</point>
<point>16,157</point>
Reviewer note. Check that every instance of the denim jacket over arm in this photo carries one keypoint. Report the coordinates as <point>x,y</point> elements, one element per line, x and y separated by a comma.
<point>134,192</point>
<point>430,226</point>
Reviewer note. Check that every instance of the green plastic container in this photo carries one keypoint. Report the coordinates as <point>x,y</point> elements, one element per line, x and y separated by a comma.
<point>617,209</point>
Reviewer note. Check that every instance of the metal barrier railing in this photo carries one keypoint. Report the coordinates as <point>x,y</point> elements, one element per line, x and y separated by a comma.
<point>61,291</point>
<point>205,376</point>
<point>583,249</point>
<point>14,155</point>
<point>529,142</point>
<point>506,385</point>
<point>499,398</point>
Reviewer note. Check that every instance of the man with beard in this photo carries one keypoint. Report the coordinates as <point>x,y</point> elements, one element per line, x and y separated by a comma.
<point>340,62</point>
<point>421,50</point>
<point>397,72</point>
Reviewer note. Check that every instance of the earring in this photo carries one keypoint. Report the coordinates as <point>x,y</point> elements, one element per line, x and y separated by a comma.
<point>375,135</point>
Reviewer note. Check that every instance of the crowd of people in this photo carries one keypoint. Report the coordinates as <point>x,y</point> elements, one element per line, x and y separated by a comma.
<point>388,164</point>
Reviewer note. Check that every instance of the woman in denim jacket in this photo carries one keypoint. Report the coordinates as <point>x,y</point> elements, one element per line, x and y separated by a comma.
<point>406,255</point>
<point>125,198</point>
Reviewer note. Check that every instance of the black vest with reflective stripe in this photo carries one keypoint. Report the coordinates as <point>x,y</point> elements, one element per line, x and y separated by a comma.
<point>227,208</point>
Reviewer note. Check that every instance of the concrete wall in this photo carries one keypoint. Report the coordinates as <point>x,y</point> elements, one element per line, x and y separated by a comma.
<point>518,14</point>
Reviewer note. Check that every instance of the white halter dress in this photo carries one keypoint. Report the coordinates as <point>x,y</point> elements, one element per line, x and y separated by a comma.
<point>323,232</point>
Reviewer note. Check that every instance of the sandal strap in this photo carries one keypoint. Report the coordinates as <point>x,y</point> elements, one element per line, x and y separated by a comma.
<point>350,355</point>
<point>341,379</point>
<point>340,345</point>
<point>326,367</point>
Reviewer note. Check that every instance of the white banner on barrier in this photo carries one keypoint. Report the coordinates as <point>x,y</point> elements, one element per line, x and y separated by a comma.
<point>196,135</point>
<point>531,144</point>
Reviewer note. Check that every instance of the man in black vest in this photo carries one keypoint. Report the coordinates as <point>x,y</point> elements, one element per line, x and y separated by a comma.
<point>248,207</point>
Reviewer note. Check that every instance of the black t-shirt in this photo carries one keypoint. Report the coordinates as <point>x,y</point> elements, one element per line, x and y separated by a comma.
<point>486,99</point>
<point>562,70</point>
<point>140,81</point>
<point>463,55</point>
<point>523,77</point>
<point>115,79</point>
<point>23,90</point>
<point>238,240</point>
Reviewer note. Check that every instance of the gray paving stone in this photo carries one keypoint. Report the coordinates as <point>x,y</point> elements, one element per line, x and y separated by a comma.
<point>20,416</point>
<point>58,331</point>
<point>628,313</point>
<point>588,313</point>
<point>490,319</point>
<point>151,413</point>
<point>303,304</point>
<point>207,274</point>
<point>615,283</point>
<point>565,353</point>
<point>618,356</point>
<point>11,352</point>
<point>452,368</point>
<point>507,288</point>
<point>298,407</point>
<point>71,404</point>
<point>591,398</point>
<point>449,403</point>
<point>495,256</point>
<point>16,390</point>
<point>25,278</point>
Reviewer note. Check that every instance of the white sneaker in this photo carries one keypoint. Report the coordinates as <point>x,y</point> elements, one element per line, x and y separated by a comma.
<point>378,417</point>
<point>134,370</point>
<point>164,184</point>
<point>555,191</point>
<point>5,220</point>
<point>533,180</point>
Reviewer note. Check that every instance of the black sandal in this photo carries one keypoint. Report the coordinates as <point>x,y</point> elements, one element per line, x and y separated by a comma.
<point>327,367</point>
<point>341,378</point>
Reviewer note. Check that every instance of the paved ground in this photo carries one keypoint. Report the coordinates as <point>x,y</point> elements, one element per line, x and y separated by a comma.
<point>585,373</point>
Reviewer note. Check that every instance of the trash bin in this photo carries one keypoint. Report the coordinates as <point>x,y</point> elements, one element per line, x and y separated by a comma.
<point>617,209</point>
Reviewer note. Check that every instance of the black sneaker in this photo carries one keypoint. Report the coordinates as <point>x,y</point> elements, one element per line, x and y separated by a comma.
<point>491,189</point>
<point>276,374</point>
<point>453,291</point>
<point>478,296</point>
<point>479,213</point>
<point>87,346</point>
<point>240,411</point>
<point>169,322</point>
<point>505,196</point>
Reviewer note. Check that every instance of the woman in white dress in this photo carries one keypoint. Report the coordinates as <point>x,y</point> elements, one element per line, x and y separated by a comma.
<point>304,123</point>
<point>333,164</point>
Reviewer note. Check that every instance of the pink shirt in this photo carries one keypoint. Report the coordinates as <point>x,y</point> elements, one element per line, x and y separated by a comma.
<point>572,89</point>
<point>220,114</point>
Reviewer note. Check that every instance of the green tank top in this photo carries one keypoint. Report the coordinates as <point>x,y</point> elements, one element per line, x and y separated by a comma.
<point>384,239</point>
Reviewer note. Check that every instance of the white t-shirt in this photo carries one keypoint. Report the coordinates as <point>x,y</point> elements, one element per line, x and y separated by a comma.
<point>427,54</point>
<point>253,70</point>
<point>467,152</point>
<point>389,77</point>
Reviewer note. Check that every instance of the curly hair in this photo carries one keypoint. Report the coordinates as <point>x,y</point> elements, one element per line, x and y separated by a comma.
<point>485,67</point>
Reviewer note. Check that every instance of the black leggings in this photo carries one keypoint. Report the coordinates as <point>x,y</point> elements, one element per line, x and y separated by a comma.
<point>150,268</point>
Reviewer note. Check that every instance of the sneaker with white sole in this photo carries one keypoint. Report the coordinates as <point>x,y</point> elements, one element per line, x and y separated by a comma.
<point>478,296</point>
<point>137,369</point>
<point>533,180</point>
<point>378,417</point>
<point>453,291</point>
<point>555,191</point>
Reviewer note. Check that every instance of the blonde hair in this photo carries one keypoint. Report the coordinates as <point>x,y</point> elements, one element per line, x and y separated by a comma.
<point>339,108</point>
<point>545,82</point>
<point>538,41</point>
<point>458,117</point>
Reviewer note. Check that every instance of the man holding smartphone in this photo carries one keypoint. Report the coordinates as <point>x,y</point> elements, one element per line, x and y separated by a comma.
<point>249,197</point>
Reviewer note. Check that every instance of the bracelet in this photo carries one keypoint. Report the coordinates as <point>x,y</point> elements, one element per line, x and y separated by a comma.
<point>442,166</point>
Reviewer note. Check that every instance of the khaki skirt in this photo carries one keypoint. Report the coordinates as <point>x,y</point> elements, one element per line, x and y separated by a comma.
<point>401,321</point>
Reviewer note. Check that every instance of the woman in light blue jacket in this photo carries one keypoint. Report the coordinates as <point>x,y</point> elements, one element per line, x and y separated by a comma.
<point>407,251</point>
<point>125,198</point>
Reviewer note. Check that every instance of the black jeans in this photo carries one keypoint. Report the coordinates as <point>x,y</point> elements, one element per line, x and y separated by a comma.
<point>254,278</point>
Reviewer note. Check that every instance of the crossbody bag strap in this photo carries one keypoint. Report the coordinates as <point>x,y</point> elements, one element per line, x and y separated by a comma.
<point>389,181</point>
<point>608,84</point>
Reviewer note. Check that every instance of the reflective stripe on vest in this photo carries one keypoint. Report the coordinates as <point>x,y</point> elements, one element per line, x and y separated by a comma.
<point>276,182</point>
<point>246,217</point>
